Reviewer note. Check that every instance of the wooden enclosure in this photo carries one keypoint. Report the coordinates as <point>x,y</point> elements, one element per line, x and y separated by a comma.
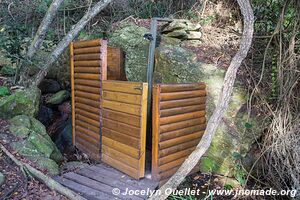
<point>178,119</point>
<point>109,114</point>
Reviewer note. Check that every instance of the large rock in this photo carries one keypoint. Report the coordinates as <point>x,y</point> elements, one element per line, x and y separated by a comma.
<point>25,102</point>
<point>49,86</point>
<point>130,38</point>
<point>2,178</point>
<point>59,97</point>
<point>175,64</point>
<point>35,144</point>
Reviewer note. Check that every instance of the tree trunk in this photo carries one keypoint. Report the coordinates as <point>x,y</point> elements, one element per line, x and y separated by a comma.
<point>63,44</point>
<point>221,107</point>
<point>43,28</point>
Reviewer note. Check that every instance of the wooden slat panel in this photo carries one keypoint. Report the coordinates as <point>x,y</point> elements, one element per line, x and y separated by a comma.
<point>91,70</point>
<point>92,56</point>
<point>95,135</point>
<point>87,76</point>
<point>89,102</point>
<point>72,90</point>
<point>122,117</point>
<point>94,83</point>
<point>87,120</point>
<point>122,107</point>
<point>95,97</point>
<point>89,89</point>
<point>89,43</point>
<point>87,50</point>
<point>87,126</point>
<point>122,97</point>
<point>89,63</point>
<point>121,86</point>
<point>87,108</point>
<point>178,125</point>
<point>121,127</point>
<point>115,63</point>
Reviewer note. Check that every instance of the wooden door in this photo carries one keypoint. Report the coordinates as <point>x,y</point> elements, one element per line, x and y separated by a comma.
<point>88,70</point>
<point>178,124</point>
<point>124,126</point>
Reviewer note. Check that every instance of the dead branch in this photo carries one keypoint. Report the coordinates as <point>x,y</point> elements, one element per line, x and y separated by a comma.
<point>221,107</point>
<point>52,184</point>
<point>63,44</point>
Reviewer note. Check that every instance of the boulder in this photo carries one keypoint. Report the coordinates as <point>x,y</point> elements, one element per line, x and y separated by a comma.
<point>130,38</point>
<point>25,102</point>
<point>45,115</point>
<point>8,70</point>
<point>59,97</point>
<point>175,64</point>
<point>49,86</point>
<point>35,144</point>
<point>2,178</point>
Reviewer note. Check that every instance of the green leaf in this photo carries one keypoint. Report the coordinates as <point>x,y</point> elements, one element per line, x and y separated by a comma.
<point>236,155</point>
<point>4,91</point>
<point>248,125</point>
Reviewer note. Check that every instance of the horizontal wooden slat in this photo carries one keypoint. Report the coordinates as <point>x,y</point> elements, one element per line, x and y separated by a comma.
<point>122,97</point>
<point>181,110</point>
<point>89,89</point>
<point>87,126</point>
<point>180,140</point>
<point>87,108</point>
<point>89,43</point>
<point>122,138</point>
<point>172,164</point>
<point>177,148</point>
<point>84,130</point>
<point>92,56</point>
<point>89,102</point>
<point>121,127</point>
<point>182,87</point>
<point>94,83</point>
<point>129,150</point>
<point>87,76</point>
<point>86,137</point>
<point>120,156</point>
<point>122,117</point>
<point>122,107</point>
<point>122,86</point>
<point>87,120</point>
<point>169,173</point>
<point>88,114</point>
<point>90,63</point>
<point>182,102</point>
<point>120,166</point>
<point>87,95</point>
<point>176,155</point>
<point>91,70</point>
<point>182,95</point>
<point>181,132</point>
<point>87,148</point>
<point>183,124</point>
<point>87,50</point>
<point>181,117</point>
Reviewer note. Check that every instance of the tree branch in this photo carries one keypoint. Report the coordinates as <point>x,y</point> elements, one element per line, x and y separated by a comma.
<point>43,28</point>
<point>221,107</point>
<point>63,44</point>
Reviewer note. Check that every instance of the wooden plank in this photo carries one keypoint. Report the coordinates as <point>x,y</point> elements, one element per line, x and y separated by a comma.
<point>87,138</point>
<point>122,86</point>
<point>174,156</point>
<point>180,140</point>
<point>169,173</point>
<point>92,56</point>
<point>115,63</point>
<point>122,138</point>
<point>180,147</point>
<point>133,152</point>
<point>182,110</point>
<point>122,107</point>
<point>89,149</point>
<point>181,117</point>
<point>88,43</point>
<point>94,83</point>
<point>120,156</point>
<point>91,70</point>
<point>183,124</point>
<point>143,130</point>
<point>122,167</point>
<point>85,131</point>
<point>182,95</point>
<point>181,132</point>
<point>87,50</point>
<point>165,88</point>
<point>87,120</point>
<point>72,90</point>
<point>87,108</point>
<point>182,102</point>
<point>95,97</point>
<point>182,87</point>
<point>121,127</point>
<point>89,63</point>
<point>87,126</point>
<point>121,117</point>
<point>93,103</point>
<point>94,90</point>
<point>87,76</point>
<point>172,164</point>
<point>122,97</point>
<point>155,132</point>
<point>88,114</point>
<point>83,190</point>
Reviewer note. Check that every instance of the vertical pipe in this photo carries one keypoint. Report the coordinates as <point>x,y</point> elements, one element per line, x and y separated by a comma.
<point>72,90</point>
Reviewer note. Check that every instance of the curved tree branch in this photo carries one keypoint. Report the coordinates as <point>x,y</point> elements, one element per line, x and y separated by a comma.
<point>221,107</point>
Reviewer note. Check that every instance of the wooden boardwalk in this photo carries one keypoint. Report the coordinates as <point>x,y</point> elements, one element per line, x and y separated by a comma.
<point>100,181</point>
